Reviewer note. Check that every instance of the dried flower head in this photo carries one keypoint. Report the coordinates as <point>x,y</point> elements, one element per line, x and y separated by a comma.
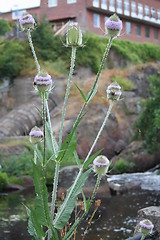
<point>43,81</point>
<point>97,203</point>
<point>146,226</point>
<point>36,135</point>
<point>26,22</point>
<point>113,26</point>
<point>113,91</point>
<point>74,35</point>
<point>101,165</point>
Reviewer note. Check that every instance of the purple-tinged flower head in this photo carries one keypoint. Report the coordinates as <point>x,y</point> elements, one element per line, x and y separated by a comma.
<point>74,35</point>
<point>36,135</point>
<point>101,165</point>
<point>26,22</point>
<point>113,26</point>
<point>113,92</point>
<point>146,226</point>
<point>43,81</point>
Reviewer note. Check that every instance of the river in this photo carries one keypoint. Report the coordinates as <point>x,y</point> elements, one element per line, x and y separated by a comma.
<point>116,218</point>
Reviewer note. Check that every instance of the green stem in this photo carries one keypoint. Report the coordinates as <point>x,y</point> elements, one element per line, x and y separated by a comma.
<point>44,127</point>
<point>97,76</point>
<point>143,237</point>
<point>35,155</point>
<point>53,140</point>
<point>73,56</point>
<point>100,131</point>
<point>95,189</point>
<point>33,51</point>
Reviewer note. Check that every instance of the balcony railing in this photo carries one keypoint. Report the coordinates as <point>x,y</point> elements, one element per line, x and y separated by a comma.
<point>100,5</point>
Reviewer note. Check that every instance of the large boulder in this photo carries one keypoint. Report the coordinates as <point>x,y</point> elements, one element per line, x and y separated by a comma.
<point>139,157</point>
<point>153,214</point>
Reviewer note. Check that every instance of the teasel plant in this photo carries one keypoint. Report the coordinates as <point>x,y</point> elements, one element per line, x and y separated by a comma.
<point>46,220</point>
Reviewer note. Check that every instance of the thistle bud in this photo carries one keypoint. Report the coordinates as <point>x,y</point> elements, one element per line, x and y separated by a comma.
<point>113,26</point>
<point>74,35</point>
<point>26,22</point>
<point>146,226</point>
<point>43,81</point>
<point>36,135</point>
<point>101,165</point>
<point>113,91</point>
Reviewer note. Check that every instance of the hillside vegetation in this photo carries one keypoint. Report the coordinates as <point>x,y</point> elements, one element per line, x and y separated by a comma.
<point>16,56</point>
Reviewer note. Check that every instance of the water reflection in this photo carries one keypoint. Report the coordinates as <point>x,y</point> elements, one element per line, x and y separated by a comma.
<point>115,219</point>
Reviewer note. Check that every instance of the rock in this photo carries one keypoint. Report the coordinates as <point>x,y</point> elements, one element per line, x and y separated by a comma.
<point>153,214</point>
<point>14,187</point>
<point>120,145</point>
<point>20,120</point>
<point>68,175</point>
<point>139,157</point>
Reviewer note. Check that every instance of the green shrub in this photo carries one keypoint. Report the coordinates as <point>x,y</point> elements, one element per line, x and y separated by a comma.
<point>18,165</point>
<point>3,180</point>
<point>147,127</point>
<point>123,166</point>
<point>4,27</point>
<point>126,84</point>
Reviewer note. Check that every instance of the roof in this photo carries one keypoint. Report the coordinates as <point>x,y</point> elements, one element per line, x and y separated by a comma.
<point>10,5</point>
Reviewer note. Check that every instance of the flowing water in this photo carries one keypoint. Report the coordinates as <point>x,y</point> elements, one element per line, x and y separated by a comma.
<point>115,219</point>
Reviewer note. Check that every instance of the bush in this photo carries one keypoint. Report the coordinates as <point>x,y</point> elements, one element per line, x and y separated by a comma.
<point>18,165</point>
<point>126,84</point>
<point>12,59</point>
<point>4,27</point>
<point>3,180</point>
<point>148,124</point>
<point>123,166</point>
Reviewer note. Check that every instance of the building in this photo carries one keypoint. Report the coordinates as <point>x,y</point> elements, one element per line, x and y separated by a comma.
<point>141,18</point>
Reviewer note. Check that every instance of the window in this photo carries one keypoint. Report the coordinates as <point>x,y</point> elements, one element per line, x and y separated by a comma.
<point>153,12</point>
<point>128,28</point>
<point>147,31</point>
<point>156,34</point>
<point>71,1</point>
<point>140,10</point>
<point>138,30</point>
<point>104,4</point>
<point>146,11</point>
<point>126,7</point>
<point>95,3</point>
<point>96,20</point>
<point>133,8</point>
<point>158,14</point>
<point>119,6</point>
<point>16,14</point>
<point>52,3</point>
<point>112,5</point>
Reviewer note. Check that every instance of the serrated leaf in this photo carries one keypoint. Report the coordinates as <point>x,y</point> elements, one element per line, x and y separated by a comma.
<point>68,205</point>
<point>54,234</point>
<point>92,93</point>
<point>41,201</point>
<point>77,159</point>
<point>53,146</point>
<point>39,154</point>
<point>81,92</point>
<point>34,228</point>
<point>90,160</point>
<point>86,203</point>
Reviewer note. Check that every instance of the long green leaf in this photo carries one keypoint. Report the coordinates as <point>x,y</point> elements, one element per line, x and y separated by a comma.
<point>71,231</point>
<point>81,92</point>
<point>91,94</point>
<point>41,201</point>
<point>90,160</point>
<point>34,228</point>
<point>68,205</point>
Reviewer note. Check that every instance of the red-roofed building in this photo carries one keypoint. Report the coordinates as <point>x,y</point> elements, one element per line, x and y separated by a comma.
<point>141,18</point>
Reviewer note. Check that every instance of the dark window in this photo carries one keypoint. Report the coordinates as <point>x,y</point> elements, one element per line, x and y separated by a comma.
<point>156,34</point>
<point>138,30</point>
<point>147,31</point>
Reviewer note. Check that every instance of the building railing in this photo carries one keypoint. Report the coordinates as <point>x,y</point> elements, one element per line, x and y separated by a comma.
<point>102,5</point>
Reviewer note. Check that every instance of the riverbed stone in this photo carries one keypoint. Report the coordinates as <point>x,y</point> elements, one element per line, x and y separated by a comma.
<point>68,175</point>
<point>153,214</point>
